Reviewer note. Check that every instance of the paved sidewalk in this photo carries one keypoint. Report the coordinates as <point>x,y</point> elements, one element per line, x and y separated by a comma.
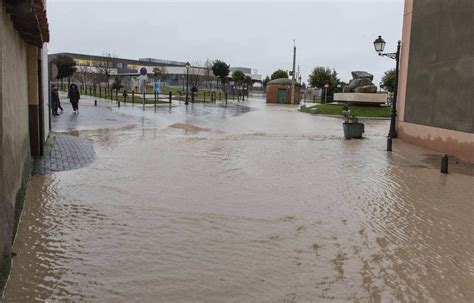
<point>66,153</point>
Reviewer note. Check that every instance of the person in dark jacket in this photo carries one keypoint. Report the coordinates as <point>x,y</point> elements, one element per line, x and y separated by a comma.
<point>74,97</point>
<point>55,103</point>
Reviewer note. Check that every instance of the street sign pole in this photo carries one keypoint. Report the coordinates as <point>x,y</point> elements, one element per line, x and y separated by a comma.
<point>144,72</point>
<point>326,86</point>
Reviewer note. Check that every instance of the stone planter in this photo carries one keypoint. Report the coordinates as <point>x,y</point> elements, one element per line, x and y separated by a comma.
<point>353,130</point>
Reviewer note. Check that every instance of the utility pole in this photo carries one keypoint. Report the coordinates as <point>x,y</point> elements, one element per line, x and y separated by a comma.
<point>293,74</point>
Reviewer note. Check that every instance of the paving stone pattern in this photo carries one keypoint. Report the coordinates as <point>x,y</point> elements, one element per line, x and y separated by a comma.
<point>66,153</point>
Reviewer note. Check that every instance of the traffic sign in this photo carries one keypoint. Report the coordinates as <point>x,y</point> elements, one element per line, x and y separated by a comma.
<point>326,85</point>
<point>143,71</point>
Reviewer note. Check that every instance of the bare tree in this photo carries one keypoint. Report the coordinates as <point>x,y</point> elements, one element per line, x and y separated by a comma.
<point>207,73</point>
<point>84,73</point>
<point>197,75</point>
<point>104,68</point>
<point>160,72</point>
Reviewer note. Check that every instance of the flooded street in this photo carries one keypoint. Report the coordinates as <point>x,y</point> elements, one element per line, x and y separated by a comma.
<point>245,203</point>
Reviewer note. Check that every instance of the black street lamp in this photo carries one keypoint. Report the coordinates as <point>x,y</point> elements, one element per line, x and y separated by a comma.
<point>188,66</point>
<point>183,81</point>
<point>379,45</point>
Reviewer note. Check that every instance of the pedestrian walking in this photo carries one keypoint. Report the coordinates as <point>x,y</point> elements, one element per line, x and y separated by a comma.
<point>55,103</point>
<point>74,97</point>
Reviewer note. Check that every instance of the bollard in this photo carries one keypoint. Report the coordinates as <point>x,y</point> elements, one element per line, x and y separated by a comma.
<point>95,102</point>
<point>133,97</point>
<point>389,144</point>
<point>118,104</point>
<point>155,98</point>
<point>225,94</point>
<point>170,96</point>
<point>204,97</point>
<point>444,164</point>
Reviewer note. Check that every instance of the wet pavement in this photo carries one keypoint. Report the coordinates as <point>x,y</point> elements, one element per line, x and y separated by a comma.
<point>244,203</point>
<point>65,152</point>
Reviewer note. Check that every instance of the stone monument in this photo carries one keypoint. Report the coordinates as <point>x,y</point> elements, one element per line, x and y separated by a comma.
<point>361,90</point>
<point>361,83</point>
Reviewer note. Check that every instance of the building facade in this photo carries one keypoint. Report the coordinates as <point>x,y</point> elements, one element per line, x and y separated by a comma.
<point>279,91</point>
<point>436,98</point>
<point>24,118</point>
<point>128,70</point>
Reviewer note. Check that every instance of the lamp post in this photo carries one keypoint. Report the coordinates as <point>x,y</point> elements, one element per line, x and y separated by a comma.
<point>183,81</point>
<point>379,45</point>
<point>188,66</point>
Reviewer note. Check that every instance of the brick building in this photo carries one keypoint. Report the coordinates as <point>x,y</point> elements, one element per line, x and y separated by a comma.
<point>279,91</point>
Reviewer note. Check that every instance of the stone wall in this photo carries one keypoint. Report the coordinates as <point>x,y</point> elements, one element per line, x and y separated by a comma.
<point>439,89</point>
<point>14,133</point>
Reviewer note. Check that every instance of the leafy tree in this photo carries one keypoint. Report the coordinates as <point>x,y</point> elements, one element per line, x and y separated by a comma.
<point>117,85</point>
<point>66,66</point>
<point>322,75</point>
<point>238,77</point>
<point>265,81</point>
<point>388,80</point>
<point>248,81</point>
<point>279,74</point>
<point>220,70</point>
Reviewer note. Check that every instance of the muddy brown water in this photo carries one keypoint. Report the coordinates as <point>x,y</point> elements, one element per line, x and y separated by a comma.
<point>269,205</point>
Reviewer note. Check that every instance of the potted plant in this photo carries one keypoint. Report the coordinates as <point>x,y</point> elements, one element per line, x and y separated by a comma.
<point>352,127</point>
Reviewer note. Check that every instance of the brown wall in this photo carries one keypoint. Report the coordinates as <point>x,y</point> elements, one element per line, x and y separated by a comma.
<point>272,93</point>
<point>14,132</point>
<point>435,104</point>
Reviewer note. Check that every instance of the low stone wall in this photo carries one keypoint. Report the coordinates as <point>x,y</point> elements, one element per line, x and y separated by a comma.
<point>361,98</point>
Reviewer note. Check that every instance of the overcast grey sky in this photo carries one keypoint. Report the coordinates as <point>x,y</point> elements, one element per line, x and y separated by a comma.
<point>257,34</point>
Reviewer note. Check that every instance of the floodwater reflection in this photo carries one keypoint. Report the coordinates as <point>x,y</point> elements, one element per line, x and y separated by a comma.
<point>270,205</point>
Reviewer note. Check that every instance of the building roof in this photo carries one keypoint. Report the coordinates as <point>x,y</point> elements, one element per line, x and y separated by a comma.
<point>282,81</point>
<point>116,59</point>
<point>30,20</point>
